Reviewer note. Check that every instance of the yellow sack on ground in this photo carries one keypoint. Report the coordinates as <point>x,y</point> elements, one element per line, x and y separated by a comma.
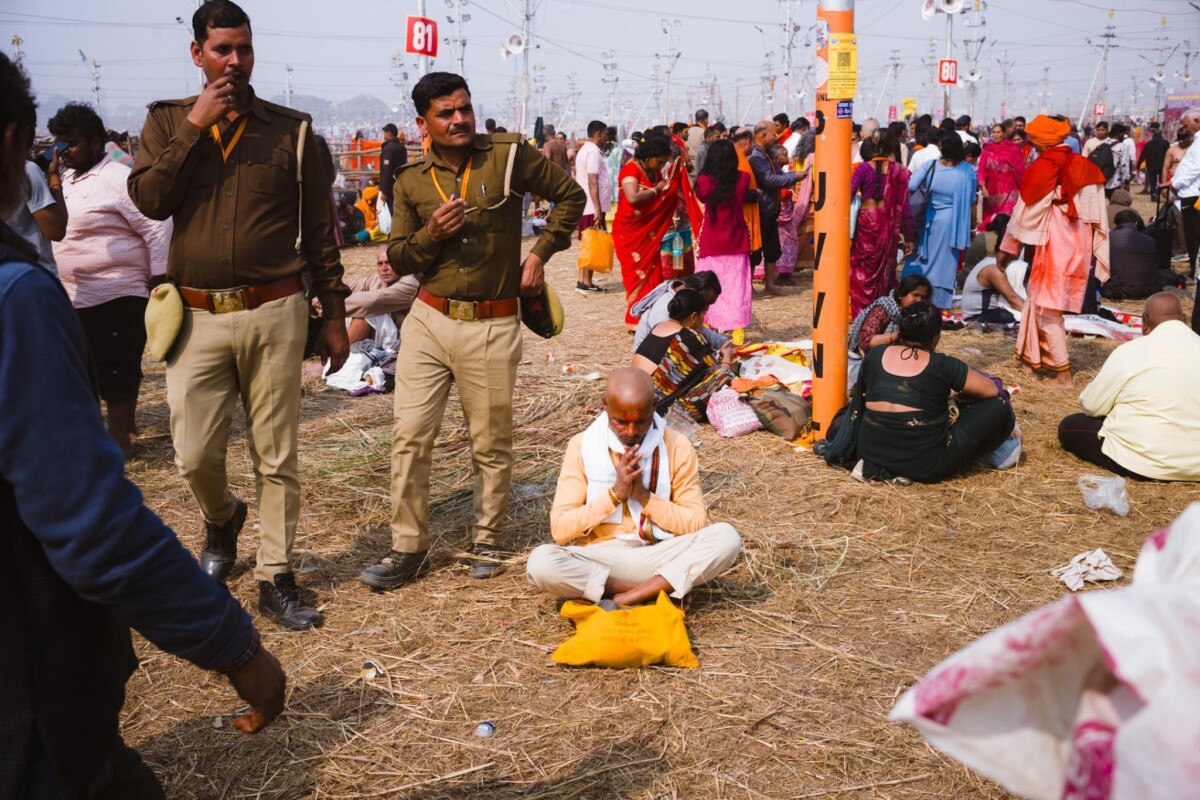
<point>628,637</point>
<point>596,250</point>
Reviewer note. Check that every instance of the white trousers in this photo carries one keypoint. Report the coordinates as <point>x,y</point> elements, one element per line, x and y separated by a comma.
<point>684,561</point>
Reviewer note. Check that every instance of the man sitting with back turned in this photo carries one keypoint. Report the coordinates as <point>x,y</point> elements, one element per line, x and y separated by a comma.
<point>628,518</point>
<point>1141,414</point>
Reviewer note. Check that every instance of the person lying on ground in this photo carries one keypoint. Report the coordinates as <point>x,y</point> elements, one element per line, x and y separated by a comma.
<point>652,309</point>
<point>683,365</point>
<point>907,428</point>
<point>1141,413</point>
<point>628,518</point>
<point>877,323</point>
<point>1135,271</point>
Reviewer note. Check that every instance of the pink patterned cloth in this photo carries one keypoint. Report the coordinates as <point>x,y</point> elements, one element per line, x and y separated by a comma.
<point>1091,698</point>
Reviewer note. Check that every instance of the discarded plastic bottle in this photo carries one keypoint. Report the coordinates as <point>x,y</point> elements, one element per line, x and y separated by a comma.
<point>484,730</point>
<point>677,251</point>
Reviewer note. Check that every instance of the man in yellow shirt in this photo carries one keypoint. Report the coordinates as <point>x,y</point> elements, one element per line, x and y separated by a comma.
<point>1141,414</point>
<point>628,518</point>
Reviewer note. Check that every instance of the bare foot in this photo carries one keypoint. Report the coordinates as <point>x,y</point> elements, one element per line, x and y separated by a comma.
<point>772,291</point>
<point>1060,381</point>
<point>1028,370</point>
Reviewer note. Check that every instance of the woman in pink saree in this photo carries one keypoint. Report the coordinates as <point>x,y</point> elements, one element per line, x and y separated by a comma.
<point>883,220</point>
<point>1000,169</point>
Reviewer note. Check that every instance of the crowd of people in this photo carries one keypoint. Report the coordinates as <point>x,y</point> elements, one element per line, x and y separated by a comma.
<point>245,230</point>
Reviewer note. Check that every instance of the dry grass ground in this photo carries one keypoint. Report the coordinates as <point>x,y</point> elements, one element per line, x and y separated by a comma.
<point>846,594</point>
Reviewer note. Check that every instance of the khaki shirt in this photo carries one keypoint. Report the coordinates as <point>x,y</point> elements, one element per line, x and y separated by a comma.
<point>236,221</point>
<point>483,260</point>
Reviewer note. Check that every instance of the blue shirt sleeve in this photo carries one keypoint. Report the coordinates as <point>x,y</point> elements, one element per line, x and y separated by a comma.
<point>69,481</point>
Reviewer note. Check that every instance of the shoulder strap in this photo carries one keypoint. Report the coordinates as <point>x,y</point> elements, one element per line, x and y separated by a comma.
<point>300,183</point>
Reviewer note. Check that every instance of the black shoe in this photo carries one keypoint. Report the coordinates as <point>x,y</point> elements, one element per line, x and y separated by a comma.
<point>396,569</point>
<point>220,544</point>
<point>485,562</point>
<point>280,601</point>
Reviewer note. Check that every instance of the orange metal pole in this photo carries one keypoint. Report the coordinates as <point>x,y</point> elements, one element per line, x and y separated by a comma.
<point>831,271</point>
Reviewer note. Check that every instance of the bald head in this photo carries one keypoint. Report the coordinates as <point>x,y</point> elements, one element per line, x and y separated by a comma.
<point>629,403</point>
<point>764,133</point>
<point>1160,308</point>
<point>630,386</point>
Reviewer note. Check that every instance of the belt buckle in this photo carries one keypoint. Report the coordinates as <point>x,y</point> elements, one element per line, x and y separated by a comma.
<point>224,302</point>
<point>461,310</point>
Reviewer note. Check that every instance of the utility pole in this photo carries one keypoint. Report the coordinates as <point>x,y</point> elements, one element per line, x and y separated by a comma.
<point>1102,68</point>
<point>422,61</point>
<point>400,81</point>
<point>459,42</point>
<point>287,92</point>
<point>974,50</point>
<point>789,35</point>
<point>94,68</point>
<point>671,29</point>
<point>569,113</point>
<point>610,80</point>
<point>893,72</point>
<point>949,54</point>
<point>539,87</point>
<point>931,62</point>
<point>1160,73</point>
<point>1044,94</point>
<point>19,55</point>
<point>1188,55</point>
<point>523,87</point>
<point>1006,66</point>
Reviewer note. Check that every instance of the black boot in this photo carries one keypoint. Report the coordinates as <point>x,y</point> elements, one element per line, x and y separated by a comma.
<point>396,569</point>
<point>280,601</point>
<point>485,562</point>
<point>220,544</point>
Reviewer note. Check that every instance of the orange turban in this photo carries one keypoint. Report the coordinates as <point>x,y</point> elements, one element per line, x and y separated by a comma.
<point>370,193</point>
<point>1046,132</point>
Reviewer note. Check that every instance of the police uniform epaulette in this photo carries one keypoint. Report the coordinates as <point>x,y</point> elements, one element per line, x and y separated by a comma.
<point>412,162</point>
<point>506,138</point>
<point>186,101</point>
<point>275,108</point>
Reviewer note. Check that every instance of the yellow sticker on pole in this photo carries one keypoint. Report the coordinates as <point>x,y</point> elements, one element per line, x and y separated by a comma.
<point>843,66</point>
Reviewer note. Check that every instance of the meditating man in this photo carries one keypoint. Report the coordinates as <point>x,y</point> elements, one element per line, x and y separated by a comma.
<point>1141,414</point>
<point>628,518</point>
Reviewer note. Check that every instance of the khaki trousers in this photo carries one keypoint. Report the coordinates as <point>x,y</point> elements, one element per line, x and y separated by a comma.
<point>684,562</point>
<point>481,356</point>
<point>255,355</point>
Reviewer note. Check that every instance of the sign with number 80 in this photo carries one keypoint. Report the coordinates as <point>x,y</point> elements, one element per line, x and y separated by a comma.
<point>422,37</point>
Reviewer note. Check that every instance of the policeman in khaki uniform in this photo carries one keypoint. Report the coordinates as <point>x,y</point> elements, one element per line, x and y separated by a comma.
<point>224,166</point>
<point>454,224</point>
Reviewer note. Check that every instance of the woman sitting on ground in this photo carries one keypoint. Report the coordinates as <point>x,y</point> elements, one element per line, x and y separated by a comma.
<point>908,430</point>
<point>877,324</point>
<point>685,368</point>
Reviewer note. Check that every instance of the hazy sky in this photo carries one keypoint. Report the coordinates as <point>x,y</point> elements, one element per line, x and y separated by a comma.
<point>338,50</point>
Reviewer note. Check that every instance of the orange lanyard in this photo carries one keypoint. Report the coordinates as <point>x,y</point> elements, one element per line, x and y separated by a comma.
<point>466,179</point>
<point>225,151</point>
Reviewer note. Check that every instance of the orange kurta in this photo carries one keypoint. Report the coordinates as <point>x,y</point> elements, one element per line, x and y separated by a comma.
<point>750,210</point>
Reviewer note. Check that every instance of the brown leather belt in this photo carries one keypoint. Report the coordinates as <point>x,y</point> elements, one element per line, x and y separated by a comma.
<point>471,309</point>
<point>241,298</point>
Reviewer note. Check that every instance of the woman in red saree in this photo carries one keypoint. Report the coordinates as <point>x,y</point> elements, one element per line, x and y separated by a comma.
<point>645,212</point>
<point>882,220</point>
<point>1000,169</point>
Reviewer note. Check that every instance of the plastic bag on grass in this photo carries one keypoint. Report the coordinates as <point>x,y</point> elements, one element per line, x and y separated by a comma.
<point>1099,492</point>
